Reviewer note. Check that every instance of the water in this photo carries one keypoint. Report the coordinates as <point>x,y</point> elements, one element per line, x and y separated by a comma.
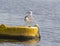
<point>46,13</point>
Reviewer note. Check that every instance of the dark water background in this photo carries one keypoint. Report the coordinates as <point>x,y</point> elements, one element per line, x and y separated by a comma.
<point>46,13</point>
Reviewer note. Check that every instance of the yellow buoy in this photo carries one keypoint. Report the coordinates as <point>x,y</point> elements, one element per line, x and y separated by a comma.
<point>18,33</point>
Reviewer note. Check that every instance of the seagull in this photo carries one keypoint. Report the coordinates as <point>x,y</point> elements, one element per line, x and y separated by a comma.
<point>29,18</point>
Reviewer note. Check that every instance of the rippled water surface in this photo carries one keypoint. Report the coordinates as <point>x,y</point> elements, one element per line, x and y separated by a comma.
<point>46,14</point>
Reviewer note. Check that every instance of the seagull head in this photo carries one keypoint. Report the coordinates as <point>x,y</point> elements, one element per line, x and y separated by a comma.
<point>29,13</point>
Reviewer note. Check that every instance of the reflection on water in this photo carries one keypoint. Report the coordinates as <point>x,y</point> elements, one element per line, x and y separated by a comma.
<point>33,42</point>
<point>10,44</point>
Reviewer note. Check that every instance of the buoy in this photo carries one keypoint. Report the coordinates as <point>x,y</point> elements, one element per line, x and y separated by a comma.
<point>19,33</point>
